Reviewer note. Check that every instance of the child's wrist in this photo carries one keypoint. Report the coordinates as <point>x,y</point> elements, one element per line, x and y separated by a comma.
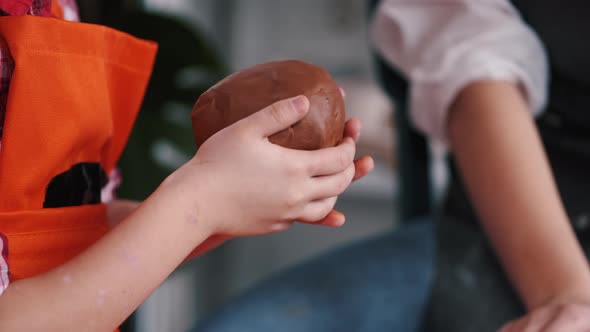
<point>186,198</point>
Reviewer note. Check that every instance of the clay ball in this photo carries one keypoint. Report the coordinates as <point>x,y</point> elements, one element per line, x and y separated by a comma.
<point>250,90</point>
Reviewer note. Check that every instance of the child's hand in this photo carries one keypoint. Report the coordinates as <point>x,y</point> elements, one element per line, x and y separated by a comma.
<point>362,167</point>
<point>254,187</point>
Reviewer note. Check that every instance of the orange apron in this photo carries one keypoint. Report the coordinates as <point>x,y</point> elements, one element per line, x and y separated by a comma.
<point>74,95</point>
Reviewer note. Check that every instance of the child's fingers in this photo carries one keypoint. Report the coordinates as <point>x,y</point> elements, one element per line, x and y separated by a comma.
<point>317,210</point>
<point>329,160</point>
<point>332,185</point>
<point>362,167</point>
<point>280,226</point>
<point>333,219</point>
<point>277,116</point>
<point>352,129</point>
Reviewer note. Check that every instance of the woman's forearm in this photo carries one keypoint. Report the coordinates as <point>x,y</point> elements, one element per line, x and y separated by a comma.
<point>504,166</point>
<point>99,288</point>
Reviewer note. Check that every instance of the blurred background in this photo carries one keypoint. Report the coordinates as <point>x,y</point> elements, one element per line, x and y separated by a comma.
<point>201,42</point>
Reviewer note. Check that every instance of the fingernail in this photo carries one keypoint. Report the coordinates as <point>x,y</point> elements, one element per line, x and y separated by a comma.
<point>300,104</point>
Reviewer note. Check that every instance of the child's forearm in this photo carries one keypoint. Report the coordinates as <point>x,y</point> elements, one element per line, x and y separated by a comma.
<point>511,185</point>
<point>120,209</point>
<point>98,289</point>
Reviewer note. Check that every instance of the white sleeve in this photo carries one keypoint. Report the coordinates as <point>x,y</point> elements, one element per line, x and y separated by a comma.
<point>443,45</point>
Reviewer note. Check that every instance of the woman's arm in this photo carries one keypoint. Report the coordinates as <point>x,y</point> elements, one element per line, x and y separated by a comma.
<point>553,318</point>
<point>443,48</point>
<point>507,174</point>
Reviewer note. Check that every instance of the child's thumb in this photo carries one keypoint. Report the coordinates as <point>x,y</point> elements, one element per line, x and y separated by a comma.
<point>279,115</point>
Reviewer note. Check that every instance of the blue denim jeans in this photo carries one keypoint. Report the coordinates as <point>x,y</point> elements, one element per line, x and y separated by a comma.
<point>379,284</point>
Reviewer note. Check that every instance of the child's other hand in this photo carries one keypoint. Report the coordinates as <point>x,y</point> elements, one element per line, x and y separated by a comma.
<point>256,187</point>
<point>365,164</point>
<point>362,166</point>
